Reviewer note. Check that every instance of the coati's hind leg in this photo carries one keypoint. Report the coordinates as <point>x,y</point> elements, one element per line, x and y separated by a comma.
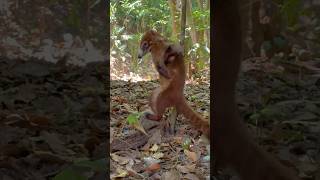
<point>158,103</point>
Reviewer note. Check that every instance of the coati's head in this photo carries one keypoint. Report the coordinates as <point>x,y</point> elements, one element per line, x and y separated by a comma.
<point>146,42</point>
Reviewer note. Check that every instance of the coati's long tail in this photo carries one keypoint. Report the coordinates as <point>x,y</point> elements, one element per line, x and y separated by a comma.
<point>196,120</point>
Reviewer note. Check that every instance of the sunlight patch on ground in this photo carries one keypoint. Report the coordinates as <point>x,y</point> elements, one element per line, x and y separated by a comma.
<point>121,71</point>
<point>132,77</point>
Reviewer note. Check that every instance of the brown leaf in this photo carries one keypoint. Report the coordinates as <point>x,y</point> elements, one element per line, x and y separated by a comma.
<point>191,155</point>
<point>187,168</point>
<point>191,177</point>
<point>154,139</point>
<point>158,155</point>
<point>171,175</point>
<point>153,167</point>
<point>120,173</point>
<point>37,120</point>
<point>154,148</point>
<point>54,142</point>
<point>133,141</point>
<point>121,160</point>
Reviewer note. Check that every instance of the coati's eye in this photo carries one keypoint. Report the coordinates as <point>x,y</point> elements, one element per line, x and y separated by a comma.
<point>168,50</point>
<point>144,45</point>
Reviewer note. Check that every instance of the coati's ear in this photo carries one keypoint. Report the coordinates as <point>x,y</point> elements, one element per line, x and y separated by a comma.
<point>153,31</point>
<point>172,52</point>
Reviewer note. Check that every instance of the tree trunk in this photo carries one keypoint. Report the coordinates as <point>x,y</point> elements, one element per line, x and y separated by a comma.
<point>183,24</point>
<point>200,32</point>
<point>207,34</point>
<point>173,13</point>
<point>190,22</point>
<point>193,34</point>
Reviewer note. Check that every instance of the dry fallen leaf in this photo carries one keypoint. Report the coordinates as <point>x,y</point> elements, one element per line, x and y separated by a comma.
<point>158,155</point>
<point>154,139</point>
<point>171,175</point>
<point>187,168</point>
<point>150,160</point>
<point>154,148</point>
<point>128,108</point>
<point>139,127</point>
<point>191,155</point>
<point>120,173</point>
<point>191,177</point>
<point>36,120</point>
<point>55,143</point>
<point>153,167</point>
<point>121,160</point>
<point>134,174</point>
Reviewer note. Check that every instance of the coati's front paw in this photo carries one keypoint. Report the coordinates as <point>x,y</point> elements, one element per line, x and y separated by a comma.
<point>163,72</point>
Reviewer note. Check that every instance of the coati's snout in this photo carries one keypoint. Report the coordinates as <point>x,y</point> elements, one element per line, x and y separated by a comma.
<point>144,49</point>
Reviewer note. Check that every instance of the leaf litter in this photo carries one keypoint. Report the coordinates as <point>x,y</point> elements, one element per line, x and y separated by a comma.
<point>160,154</point>
<point>48,128</point>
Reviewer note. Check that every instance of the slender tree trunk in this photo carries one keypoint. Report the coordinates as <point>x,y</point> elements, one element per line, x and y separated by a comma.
<point>173,13</point>
<point>193,34</point>
<point>200,33</point>
<point>183,23</point>
<point>190,22</point>
<point>208,30</point>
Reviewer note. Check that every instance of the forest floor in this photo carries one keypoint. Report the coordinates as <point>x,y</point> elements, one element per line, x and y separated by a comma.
<point>52,120</point>
<point>279,100</point>
<point>159,154</point>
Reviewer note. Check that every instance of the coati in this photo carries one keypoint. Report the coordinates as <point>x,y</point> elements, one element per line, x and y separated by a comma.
<point>153,42</point>
<point>233,146</point>
<point>169,62</point>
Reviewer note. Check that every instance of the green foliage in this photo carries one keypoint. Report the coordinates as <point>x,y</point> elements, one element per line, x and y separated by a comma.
<point>291,10</point>
<point>186,143</point>
<point>202,19</point>
<point>138,16</point>
<point>200,52</point>
<point>73,19</point>
<point>130,18</point>
<point>133,118</point>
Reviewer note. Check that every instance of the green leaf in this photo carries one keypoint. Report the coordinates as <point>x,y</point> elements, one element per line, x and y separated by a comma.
<point>186,143</point>
<point>133,118</point>
<point>254,116</point>
<point>69,174</point>
<point>292,10</point>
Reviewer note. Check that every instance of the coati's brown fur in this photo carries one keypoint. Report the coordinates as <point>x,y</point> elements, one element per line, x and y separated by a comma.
<point>169,62</point>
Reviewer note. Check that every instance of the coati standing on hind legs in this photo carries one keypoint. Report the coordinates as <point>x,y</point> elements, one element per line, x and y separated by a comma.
<point>169,62</point>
